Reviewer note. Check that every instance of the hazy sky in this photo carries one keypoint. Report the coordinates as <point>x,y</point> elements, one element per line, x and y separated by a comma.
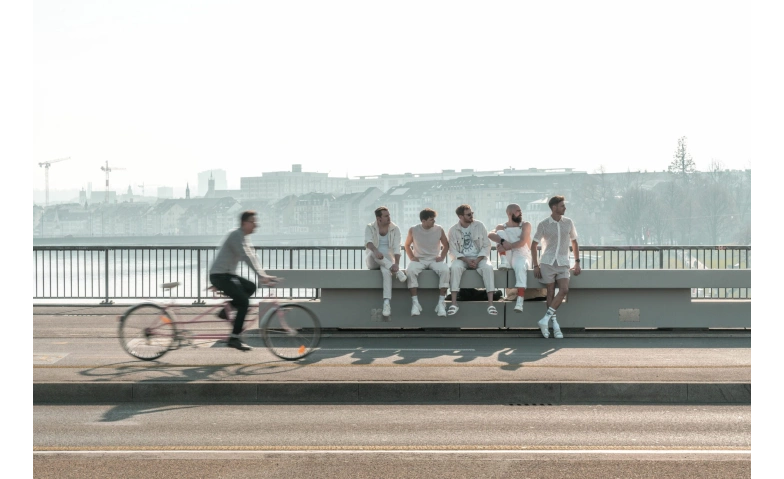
<point>169,88</point>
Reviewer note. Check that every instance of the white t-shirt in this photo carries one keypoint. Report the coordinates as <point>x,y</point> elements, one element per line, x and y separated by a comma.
<point>383,244</point>
<point>469,247</point>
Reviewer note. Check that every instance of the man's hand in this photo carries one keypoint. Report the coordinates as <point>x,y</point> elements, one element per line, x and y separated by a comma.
<point>500,247</point>
<point>537,271</point>
<point>394,268</point>
<point>379,255</point>
<point>439,258</point>
<point>269,280</point>
<point>414,258</point>
<point>576,269</point>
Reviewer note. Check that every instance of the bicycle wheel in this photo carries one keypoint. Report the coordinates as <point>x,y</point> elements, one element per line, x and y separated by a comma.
<point>147,331</point>
<point>291,331</point>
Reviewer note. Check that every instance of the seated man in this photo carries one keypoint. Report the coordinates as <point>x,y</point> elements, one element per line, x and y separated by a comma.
<point>514,247</point>
<point>469,248</point>
<point>424,245</point>
<point>382,240</point>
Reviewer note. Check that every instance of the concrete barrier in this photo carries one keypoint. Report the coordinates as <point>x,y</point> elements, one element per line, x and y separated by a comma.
<point>596,299</point>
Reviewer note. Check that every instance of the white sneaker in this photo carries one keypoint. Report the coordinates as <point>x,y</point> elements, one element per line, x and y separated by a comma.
<point>441,309</point>
<point>387,310</point>
<point>556,329</point>
<point>401,276</point>
<point>416,308</point>
<point>519,305</point>
<point>544,326</point>
<point>502,262</point>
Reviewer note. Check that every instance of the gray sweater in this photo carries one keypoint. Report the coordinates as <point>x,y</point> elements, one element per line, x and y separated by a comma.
<point>236,247</point>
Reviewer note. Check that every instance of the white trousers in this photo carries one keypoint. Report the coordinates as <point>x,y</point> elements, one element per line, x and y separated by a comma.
<point>416,267</point>
<point>520,260</point>
<point>484,268</point>
<point>386,275</point>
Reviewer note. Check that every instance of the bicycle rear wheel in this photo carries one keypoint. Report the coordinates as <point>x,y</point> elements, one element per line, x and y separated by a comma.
<point>147,331</point>
<point>291,331</point>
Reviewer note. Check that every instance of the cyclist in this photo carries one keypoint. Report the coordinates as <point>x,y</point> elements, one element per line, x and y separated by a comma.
<point>236,247</point>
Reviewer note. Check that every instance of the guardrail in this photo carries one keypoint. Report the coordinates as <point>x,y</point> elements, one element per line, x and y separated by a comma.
<point>134,272</point>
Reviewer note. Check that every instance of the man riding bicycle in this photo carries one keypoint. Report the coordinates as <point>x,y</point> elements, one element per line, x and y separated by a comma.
<point>236,247</point>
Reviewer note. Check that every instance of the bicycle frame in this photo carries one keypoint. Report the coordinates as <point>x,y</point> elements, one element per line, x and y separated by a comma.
<point>184,324</point>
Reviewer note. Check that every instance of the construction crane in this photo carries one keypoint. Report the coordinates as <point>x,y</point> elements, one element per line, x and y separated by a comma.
<point>108,170</point>
<point>45,165</point>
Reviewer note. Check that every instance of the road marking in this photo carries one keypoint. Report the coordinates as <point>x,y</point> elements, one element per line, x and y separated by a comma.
<point>42,450</point>
<point>47,358</point>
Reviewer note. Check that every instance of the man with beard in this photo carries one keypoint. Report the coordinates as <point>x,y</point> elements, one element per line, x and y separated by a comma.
<point>470,249</point>
<point>514,247</point>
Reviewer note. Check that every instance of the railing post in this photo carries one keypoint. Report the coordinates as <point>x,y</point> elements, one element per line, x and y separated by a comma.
<point>198,278</point>
<point>106,276</point>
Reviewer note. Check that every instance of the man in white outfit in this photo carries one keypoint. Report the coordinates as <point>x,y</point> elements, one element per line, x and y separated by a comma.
<point>469,248</point>
<point>426,247</point>
<point>514,247</point>
<point>555,232</point>
<point>382,243</point>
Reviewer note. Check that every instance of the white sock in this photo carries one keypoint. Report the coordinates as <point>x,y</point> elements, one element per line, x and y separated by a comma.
<point>550,312</point>
<point>386,300</point>
<point>414,300</point>
<point>442,298</point>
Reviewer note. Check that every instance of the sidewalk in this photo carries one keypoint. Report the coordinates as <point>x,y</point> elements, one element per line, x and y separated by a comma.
<point>77,359</point>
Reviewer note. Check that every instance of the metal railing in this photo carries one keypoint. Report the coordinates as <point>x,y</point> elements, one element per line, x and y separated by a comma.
<point>114,272</point>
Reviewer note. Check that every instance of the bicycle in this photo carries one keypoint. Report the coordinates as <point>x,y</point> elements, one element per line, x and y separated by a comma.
<point>149,330</point>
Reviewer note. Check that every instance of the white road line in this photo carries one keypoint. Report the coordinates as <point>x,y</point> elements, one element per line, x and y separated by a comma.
<point>294,450</point>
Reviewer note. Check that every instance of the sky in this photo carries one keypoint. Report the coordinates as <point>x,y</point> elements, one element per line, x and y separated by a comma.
<point>165,89</point>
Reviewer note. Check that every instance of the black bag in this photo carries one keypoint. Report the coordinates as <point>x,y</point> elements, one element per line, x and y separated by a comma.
<point>476,294</point>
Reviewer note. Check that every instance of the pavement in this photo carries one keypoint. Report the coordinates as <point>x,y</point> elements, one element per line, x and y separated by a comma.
<point>77,359</point>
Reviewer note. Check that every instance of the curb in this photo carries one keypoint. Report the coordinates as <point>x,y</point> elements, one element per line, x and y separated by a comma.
<point>512,393</point>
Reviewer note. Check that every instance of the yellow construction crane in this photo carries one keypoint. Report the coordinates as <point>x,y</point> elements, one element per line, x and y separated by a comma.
<point>45,165</point>
<point>108,170</point>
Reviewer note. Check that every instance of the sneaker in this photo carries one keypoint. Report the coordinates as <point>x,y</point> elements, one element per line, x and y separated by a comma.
<point>416,308</point>
<point>440,309</point>
<point>544,326</point>
<point>387,310</point>
<point>502,262</point>
<point>557,329</point>
<point>401,276</point>
<point>519,305</point>
<point>237,344</point>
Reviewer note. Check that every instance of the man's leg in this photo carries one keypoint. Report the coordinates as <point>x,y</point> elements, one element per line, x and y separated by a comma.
<point>520,263</point>
<point>456,270</point>
<point>563,289</point>
<point>386,280</point>
<point>248,288</point>
<point>413,270</point>
<point>485,270</point>
<point>442,270</point>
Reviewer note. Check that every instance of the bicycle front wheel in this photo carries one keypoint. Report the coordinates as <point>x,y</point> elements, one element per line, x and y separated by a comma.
<point>291,331</point>
<point>147,331</point>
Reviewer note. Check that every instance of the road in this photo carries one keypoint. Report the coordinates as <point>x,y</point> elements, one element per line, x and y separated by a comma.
<point>392,441</point>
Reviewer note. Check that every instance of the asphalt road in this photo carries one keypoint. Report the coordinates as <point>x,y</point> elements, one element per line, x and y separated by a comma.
<point>392,441</point>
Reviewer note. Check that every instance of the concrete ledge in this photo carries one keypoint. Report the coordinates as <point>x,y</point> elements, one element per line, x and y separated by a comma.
<point>392,392</point>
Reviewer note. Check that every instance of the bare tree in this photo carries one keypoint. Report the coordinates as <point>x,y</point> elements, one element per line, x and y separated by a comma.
<point>682,163</point>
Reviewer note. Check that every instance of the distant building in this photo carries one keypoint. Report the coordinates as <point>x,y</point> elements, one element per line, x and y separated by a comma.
<point>276,185</point>
<point>165,192</point>
<point>218,181</point>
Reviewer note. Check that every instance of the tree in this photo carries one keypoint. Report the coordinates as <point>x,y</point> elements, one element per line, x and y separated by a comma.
<point>682,163</point>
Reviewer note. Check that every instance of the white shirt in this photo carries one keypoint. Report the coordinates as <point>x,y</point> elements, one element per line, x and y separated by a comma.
<point>555,236</point>
<point>469,247</point>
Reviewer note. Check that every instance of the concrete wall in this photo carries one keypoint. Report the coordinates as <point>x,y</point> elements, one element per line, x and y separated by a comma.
<point>596,299</point>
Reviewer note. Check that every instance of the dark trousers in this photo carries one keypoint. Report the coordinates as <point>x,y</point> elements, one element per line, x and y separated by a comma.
<point>239,290</point>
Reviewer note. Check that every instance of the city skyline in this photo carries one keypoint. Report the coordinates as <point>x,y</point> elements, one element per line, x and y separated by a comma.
<point>349,90</point>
